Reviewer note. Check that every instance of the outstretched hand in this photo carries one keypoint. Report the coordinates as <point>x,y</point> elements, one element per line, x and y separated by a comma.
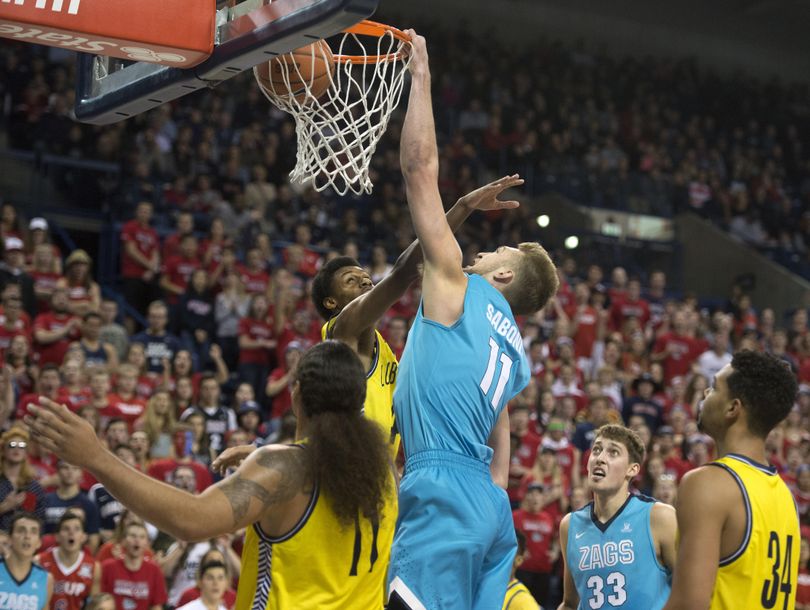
<point>486,197</point>
<point>64,433</point>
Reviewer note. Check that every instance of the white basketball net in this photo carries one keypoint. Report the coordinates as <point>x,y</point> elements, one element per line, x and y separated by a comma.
<point>338,133</point>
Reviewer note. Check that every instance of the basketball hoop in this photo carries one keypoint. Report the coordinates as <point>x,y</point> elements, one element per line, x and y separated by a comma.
<point>338,128</point>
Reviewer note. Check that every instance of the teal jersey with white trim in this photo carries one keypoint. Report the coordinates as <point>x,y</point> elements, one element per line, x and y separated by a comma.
<point>454,381</point>
<point>614,564</point>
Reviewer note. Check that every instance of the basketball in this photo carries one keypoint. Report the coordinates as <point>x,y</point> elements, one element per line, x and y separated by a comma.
<point>312,65</point>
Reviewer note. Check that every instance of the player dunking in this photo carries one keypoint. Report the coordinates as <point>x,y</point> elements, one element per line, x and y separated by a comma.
<point>738,525</point>
<point>619,550</point>
<point>464,360</point>
<point>293,497</point>
<point>345,297</point>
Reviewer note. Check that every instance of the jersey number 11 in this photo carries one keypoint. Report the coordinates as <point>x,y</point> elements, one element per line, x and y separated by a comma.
<point>489,375</point>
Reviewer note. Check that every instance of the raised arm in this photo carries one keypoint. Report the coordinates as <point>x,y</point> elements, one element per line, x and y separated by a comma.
<point>443,283</point>
<point>269,477</point>
<point>364,311</point>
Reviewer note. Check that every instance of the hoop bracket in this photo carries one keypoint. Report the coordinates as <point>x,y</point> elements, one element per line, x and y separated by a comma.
<point>272,29</point>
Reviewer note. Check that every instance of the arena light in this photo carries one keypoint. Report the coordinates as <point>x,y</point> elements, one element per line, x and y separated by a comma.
<point>571,242</point>
<point>543,221</point>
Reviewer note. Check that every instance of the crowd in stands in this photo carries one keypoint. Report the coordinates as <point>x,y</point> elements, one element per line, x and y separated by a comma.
<point>219,313</point>
<point>224,330</point>
<point>641,134</point>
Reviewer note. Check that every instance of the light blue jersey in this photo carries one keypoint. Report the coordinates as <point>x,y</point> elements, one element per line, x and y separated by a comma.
<point>29,594</point>
<point>614,564</point>
<point>455,539</point>
<point>453,381</point>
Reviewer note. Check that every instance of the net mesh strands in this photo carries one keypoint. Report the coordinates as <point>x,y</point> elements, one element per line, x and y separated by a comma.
<point>338,132</point>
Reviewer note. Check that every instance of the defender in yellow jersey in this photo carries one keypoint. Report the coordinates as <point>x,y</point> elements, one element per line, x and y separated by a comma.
<point>344,296</point>
<point>739,528</point>
<point>319,514</point>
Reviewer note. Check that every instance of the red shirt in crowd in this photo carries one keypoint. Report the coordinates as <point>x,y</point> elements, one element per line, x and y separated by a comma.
<point>255,329</point>
<point>163,469</point>
<point>282,402</point>
<point>74,400</point>
<point>179,270</point>
<point>145,240</point>
<point>585,335</point>
<point>527,449</point>
<point>138,590</point>
<point>255,282</point>
<point>72,585</point>
<point>54,353</point>
<point>540,531</point>
<point>682,352</point>
<point>624,309</point>
<point>128,409</point>
<point>44,281</point>
<point>192,593</point>
<point>803,587</point>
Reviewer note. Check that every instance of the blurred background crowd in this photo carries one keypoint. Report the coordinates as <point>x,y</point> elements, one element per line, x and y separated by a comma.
<point>191,349</point>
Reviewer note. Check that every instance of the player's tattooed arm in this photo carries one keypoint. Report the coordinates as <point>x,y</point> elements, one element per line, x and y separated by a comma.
<point>271,476</point>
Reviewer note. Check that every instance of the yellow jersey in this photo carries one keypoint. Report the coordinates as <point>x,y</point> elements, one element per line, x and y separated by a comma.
<point>318,565</point>
<point>518,597</point>
<point>763,571</point>
<point>381,380</point>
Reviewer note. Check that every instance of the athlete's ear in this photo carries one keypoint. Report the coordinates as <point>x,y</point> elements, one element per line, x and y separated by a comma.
<point>330,303</point>
<point>734,409</point>
<point>504,276</point>
<point>633,470</point>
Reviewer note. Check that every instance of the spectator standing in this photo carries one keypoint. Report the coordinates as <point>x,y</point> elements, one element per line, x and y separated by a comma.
<point>230,306</point>
<point>84,294</point>
<point>54,331</point>
<point>96,352</point>
<point>676,350</point>
<point>140,260</point>
<point>68,496</point>
<point>136,584</point>
<point>711,361</point>
<point>12,271</point>
<point>257,342</point>
<point>159,345</point>
<point>540,531</point>
<point>112,333</point>
<point>196,317</point>
<point>19,489</point>
<point>643,404</point>
<point>219,419</point>
<point>177,270</point>
<point>76,575</point>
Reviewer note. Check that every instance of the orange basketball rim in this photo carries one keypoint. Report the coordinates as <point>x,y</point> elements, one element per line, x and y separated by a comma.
<point>372,28</point>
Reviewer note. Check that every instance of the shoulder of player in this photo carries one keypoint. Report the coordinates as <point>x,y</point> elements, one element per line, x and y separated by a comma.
<point>287,460</point>
<point>663,517</point>
<point>709,485</point>
<point>564,524</point>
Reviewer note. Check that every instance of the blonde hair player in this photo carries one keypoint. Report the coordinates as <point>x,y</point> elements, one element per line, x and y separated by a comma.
<point>463,361</point>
